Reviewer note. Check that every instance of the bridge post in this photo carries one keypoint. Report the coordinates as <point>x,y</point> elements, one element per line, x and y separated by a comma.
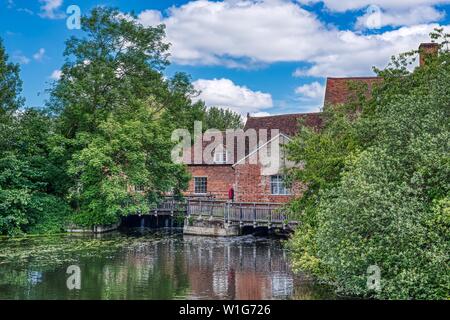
<point>226,212</point>
<point>269,222</point>
<point>254,215</point>
<point>211,209</point>
<point>240,215</point>
<point>188,212</point>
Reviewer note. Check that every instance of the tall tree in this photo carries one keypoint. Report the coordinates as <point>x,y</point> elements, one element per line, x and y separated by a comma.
<point>379,186</point>
<point>222,119</point>
<point>10,84</point>
<point>117,64</point>
<point>111,103</point>
<point>180,111</point>
<point>28,177</point>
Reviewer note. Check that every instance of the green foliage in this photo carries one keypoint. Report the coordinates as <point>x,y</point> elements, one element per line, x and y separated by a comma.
<point>323,154</point>
<point>106,129</point>
<point>10,85</point>
<point>115,113</point>
<point>179,110</point>
<point>125,152</point>
<point>28,174</point>
<point>115,65</point>
<point>381,198</point>
<point>222,119</point>
<point>374,219</point>
<point>24,204</point>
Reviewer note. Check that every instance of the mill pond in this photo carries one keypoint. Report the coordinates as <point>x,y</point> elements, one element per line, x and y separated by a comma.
<point>143,263</point>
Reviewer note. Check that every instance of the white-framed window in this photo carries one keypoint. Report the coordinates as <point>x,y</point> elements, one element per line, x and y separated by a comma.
<point>277,186</point>
<point>220,156</point>
<point>200,185</point>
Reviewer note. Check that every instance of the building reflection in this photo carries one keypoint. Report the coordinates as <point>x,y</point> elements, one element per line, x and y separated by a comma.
<point>213,268</point>
<point>233,270</point>
<point>175,267</point>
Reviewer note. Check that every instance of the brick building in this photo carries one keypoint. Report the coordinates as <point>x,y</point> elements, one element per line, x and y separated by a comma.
<point>257,174</point>
<point>253,178</point>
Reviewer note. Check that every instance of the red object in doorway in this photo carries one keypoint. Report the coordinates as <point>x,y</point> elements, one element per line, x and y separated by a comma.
<point>231,194</point>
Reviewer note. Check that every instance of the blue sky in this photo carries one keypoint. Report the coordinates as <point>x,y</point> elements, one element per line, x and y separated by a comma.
<point>257,56</point>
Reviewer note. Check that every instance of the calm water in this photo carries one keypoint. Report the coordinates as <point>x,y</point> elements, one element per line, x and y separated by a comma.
<point>144,264</point>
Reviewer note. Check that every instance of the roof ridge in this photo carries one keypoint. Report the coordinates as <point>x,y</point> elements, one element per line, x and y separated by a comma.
<point>349,78</point>
<point>287,114</point>
<point>262,145</point>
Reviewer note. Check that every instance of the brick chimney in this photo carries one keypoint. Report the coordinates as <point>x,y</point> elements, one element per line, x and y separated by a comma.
<point>426,50</point>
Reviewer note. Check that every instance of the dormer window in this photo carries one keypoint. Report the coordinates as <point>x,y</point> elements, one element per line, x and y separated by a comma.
<point>220,156</point>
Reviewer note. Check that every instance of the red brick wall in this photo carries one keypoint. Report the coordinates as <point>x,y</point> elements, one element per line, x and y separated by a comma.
<point>220,178</point>
<point>251,186</point>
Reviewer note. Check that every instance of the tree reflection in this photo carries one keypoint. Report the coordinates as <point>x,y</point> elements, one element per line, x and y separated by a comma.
<point>153,266</point>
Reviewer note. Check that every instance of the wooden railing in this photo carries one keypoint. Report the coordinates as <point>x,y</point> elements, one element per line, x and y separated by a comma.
<point>255,213</point>
<point>230,212</point>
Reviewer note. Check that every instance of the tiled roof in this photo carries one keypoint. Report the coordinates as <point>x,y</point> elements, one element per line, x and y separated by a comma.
<point>286,123</point>
<point>338,90</point>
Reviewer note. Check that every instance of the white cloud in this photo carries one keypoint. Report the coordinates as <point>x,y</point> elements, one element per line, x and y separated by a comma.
<point>354,55</point>
<point>375,19</point>
<point>260,114</point>
<point>311,96</point>
<point>11,33</point>
<point>311,91</point>
<point>224,93</point>
<point>39,55</point>
<point>345,5</point>
<point>20,58</point>
<point>56,74</point>
<point>50,9</point>
<point>206,32</point>
<point>26,10</point>
<point>150,17</point>
<point>242,33</point>
<point>391,12</point>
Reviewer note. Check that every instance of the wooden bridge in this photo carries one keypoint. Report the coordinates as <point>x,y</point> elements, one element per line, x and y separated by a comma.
<point>242,213</point>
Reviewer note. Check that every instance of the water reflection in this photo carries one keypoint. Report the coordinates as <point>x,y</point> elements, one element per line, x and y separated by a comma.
<point>148,265</point>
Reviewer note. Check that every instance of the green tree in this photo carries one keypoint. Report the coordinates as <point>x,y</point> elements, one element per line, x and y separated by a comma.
<point>384,201</point>
<point>30,185</point>
<point>323,154</point>
<point>116,65</point>
<point>222,119</point>
<point>126,152</point>
<point>179,110</point>
<point>114,112</point>
<point>10,85</point>
<point>26,182</point>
